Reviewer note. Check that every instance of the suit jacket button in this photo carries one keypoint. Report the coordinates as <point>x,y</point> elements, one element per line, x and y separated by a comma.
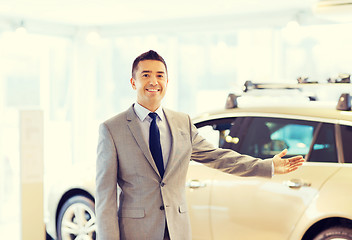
<point>162,207</point>
<point>162,184</point>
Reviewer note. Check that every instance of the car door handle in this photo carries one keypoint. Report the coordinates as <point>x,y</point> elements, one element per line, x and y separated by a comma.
<point>296,183</point>
<point>195,184</point>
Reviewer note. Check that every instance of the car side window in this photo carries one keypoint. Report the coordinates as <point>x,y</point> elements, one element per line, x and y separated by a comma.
<point>230,137</point>
<point>266,137</point>
<point>346,134</point>
<point>216,131</point>
<point>209,134</point>
<point>324,148</point>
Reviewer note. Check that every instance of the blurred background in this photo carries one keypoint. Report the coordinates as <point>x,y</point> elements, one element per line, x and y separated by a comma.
<point>72,60</point>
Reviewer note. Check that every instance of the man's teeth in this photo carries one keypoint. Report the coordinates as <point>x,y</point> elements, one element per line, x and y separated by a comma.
<point>153,90</point>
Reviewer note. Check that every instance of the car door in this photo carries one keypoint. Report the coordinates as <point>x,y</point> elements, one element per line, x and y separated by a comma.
<point>198,188</point>
<point>199,182</point>
<point>258,208</point>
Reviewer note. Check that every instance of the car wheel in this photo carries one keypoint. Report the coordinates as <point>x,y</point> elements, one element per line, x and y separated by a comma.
<point>335,233</point>
<point>76,219</point>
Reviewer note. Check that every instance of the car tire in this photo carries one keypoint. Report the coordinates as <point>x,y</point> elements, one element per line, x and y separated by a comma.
<point>76,219</point>
<point>335,233</point>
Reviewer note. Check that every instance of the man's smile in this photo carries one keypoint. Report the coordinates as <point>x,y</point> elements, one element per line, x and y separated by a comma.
<point>153,89</point>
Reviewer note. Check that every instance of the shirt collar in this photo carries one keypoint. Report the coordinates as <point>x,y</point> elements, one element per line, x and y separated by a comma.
<point>142,112</point>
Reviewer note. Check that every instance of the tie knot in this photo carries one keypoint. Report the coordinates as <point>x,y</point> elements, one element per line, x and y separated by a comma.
<point>153,115</point>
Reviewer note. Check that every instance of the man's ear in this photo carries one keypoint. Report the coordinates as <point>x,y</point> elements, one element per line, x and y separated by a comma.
<point>133,83</point>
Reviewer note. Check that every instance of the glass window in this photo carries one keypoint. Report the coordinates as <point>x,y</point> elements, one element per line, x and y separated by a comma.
<point>210,134</point>
<point>346,133</point>
<point>266,137</point>
<point>324,149</point>
<point>218,131</point>
<point>230,137</point>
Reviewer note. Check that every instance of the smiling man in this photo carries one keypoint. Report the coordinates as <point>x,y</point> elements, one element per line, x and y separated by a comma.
<point>145,152</point>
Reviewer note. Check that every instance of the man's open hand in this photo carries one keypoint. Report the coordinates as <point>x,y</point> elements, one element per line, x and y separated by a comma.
<point>282,166</point>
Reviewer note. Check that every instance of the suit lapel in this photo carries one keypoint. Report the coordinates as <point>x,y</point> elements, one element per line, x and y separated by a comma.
<point>134,126</point>
<point>174,133</point>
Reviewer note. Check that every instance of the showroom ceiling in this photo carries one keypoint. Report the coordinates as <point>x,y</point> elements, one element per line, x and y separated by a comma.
<point>110,12</point>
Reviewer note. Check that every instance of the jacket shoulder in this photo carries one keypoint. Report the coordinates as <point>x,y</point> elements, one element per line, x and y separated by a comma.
<point>119,118</point>
<point>175,114</point>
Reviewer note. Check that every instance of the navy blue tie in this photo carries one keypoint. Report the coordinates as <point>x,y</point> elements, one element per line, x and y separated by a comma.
<point>154,144</point>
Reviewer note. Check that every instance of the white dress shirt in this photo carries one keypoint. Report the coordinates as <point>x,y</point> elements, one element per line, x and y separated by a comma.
<point>165,134</point>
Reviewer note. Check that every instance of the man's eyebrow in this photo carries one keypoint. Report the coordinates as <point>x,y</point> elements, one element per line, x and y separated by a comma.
<point>148,71</point>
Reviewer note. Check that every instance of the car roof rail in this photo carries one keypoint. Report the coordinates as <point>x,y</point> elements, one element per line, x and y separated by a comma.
<point>231,101</point>
<point>344,103</point>
<point>342,78</point>
<point>249,85</point>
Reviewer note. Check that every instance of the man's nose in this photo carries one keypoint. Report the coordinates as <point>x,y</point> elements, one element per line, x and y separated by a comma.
<point>153,81</point>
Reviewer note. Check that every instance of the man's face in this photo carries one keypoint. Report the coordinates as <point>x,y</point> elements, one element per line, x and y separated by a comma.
<point>150,82</point>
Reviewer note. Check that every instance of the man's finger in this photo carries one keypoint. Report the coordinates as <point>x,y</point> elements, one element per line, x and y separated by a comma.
<point>297,164</point>
<point>292,169</point>
<point>295,158</point>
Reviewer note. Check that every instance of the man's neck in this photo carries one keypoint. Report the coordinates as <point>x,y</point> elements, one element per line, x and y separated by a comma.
<point>150,107</point>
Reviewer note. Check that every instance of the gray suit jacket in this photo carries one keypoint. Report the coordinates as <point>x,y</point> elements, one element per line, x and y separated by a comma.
<point>124,161</point>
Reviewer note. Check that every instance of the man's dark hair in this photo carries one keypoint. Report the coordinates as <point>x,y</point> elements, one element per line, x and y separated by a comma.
<point>150,55</point>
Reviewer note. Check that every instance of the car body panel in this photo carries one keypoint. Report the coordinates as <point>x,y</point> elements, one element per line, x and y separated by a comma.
<point>308,112</point>
<point>198,199</point>
<point>333,201</point>
<point>248,208</point>
<point>265,208</point>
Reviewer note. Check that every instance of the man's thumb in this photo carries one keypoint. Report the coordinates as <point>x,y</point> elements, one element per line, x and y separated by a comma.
<point>283,153</point>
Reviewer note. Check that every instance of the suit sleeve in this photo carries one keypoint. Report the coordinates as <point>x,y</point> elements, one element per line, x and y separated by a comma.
<point>106,187</point>
<point>227,160</point>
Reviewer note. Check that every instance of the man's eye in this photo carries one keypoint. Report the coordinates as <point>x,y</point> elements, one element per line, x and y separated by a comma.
<point>145,75</point>
<point>160,76</point>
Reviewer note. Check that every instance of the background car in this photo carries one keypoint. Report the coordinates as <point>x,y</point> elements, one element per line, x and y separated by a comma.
<point>313,202</point>
<point>70,209</point>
